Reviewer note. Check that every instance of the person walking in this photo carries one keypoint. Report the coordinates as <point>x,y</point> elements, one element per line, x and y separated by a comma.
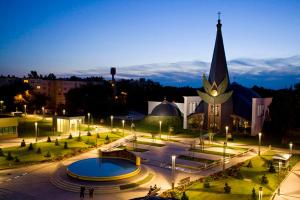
<point>91,193</point>
<point>82,190</point>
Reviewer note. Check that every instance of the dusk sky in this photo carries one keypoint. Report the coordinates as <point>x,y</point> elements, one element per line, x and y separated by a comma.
<point>165,40</point>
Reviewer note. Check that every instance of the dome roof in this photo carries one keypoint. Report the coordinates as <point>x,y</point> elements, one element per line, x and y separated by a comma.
<point>165,109</point>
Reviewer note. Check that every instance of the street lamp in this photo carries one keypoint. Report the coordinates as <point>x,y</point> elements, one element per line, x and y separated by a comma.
<point>291,148</point>
<point>123,123</point>
<point>259,142</point>
<point>43,110</point>
<point>260,193</point>
<point>64,112</point>
<point>25,106</point>
<point>36,131</point>
<point>226,128</point>
<point>1,103</point>
<point>224,154</point>
<point>111,122</point>
<point>279,168</point>
<point>173,171</point>
<point>160,122</point>
<point>89,115</point>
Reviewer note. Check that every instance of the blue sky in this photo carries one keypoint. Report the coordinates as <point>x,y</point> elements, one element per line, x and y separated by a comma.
<point>71,36</point>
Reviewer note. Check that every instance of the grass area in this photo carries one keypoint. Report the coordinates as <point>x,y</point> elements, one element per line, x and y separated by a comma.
<point>75,146</point>
<point>241,188</point>
<point>132,185</point>
<point>151,144</point>
<point>195,159</point>
<point>228,147</point>
<point>210,152</point>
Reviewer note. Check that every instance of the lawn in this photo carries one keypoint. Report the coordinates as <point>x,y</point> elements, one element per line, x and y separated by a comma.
<point>210,152</point>
<point>75,146</point>
<point>241,188</point>
<point>195,159</point>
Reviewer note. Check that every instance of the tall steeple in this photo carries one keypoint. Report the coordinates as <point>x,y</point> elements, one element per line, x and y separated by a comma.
<point>218,68</point>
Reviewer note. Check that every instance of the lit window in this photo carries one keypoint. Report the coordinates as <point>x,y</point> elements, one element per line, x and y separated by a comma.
<point>38,87</point>
<point>25,81</point>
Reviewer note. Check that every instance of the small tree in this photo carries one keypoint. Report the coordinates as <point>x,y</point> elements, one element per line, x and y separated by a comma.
<point>23,144</point>
<point>17,159</point>
<point>249,165</point>
<point>39,150</point>
<point>65,145</point>
<point>56,142</point>
<point>98,136</point>
<point>264,180</point>
<point>89,133</point>
<point>106,139</point>
<point>48,139</point>
<point>227,188</point>
<point>48,154</point>
<point>253,194</point>
<point>184,196</point>
<point>272,168</point>
<point>30,148</point>
<point>79,138</point>
<point>1,153</point>
<point>9,156</point>
<point>70,136</point>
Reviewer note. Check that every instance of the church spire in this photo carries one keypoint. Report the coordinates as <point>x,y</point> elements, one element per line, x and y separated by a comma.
<point>218,68</point>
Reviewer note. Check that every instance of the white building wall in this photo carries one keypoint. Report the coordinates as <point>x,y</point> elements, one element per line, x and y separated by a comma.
<point>260,106</point>
<point>189,106</point>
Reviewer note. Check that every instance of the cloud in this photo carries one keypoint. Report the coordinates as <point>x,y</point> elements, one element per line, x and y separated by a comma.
<point>274,72</point>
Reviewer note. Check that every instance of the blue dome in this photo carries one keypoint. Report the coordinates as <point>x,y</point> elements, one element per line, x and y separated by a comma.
<point>165,109</point>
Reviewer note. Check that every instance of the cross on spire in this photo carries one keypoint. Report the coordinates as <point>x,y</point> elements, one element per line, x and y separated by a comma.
<point>219,15</point>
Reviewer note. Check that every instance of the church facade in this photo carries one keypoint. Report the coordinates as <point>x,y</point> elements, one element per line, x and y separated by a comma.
<point>221,103</point>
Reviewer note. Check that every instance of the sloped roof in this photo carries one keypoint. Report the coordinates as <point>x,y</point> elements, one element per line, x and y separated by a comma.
<point>218,68</point>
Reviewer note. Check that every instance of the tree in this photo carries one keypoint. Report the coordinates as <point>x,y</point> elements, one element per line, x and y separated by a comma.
<point>227,188</point>
<point>253,194</point>
<point>184,196</point>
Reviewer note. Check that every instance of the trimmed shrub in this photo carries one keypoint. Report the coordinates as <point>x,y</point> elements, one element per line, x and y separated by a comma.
<point>39,150</point>
<point>184,196</point>
<point>79,138</point>
<point>106,138</point>
<point>17,159</point>
<point>272,168</point>
<point>70,136</point>
<point>48,154</point>
<point>23,144</point>
<point>66,145</point>
<point>9,156</point>
<point>253,195</point>
<point>89,133</point>
<point>249,165</point>
<point>239,175</point>
<point>30,148</point>
<point>98,136</point>
<point>56,142</point>
<point>227,188</point>
<point>206,183</point>
<point>264,180</point>
<point>48,139</point>
<point>1,153</point>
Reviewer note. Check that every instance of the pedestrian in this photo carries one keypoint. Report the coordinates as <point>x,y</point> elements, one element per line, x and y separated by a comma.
<point>91,193</point>
<point>82,190</point>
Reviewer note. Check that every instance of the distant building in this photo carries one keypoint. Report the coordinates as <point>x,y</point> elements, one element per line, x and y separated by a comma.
<point>54,89</point>
<point>243,108</point>
<point>8,126</point>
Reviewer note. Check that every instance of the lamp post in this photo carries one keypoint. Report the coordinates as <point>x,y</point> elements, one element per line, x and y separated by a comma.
<point>1,103</point>
<point>160,122</point>
<point>173,171</point>
<point>260,193</point>
<point>291,148</point>
<point>79,123</point>
<point>226,128</point>
<point>224,154</point>
<point>43,110</point>
<point>259,142</point>
<point>36,131</point>
<point>111,122</point>
<point>279,169</point>
<point>89,115</point>
<point>25,106</point>
<point>123,124</point>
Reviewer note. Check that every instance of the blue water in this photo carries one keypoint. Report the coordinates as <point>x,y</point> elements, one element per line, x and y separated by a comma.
<point>102,167</point>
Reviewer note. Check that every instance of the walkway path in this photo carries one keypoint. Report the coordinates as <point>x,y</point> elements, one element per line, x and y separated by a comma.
<point>290,187</point>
